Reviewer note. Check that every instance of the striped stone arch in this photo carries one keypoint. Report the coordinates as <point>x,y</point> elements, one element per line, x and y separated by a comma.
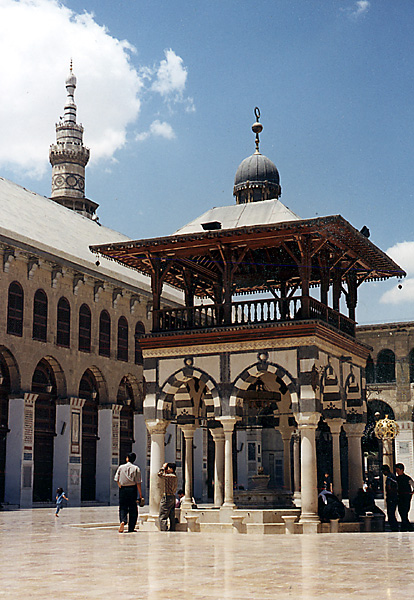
<point>183,399</point>
<point>13,369</point>
<point>249,376</point>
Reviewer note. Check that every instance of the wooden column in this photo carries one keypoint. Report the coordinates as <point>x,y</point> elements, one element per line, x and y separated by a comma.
<point>305,268</point>
<point>352,295</point>
<point>336,291</point>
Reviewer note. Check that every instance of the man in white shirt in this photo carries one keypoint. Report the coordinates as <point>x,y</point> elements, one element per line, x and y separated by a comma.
<point>128,477</point>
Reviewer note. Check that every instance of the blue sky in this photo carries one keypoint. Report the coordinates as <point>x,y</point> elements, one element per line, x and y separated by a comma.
<point>167,116</point>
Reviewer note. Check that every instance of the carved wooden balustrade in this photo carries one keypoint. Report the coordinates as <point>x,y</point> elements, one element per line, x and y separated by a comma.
<point>251,312</point>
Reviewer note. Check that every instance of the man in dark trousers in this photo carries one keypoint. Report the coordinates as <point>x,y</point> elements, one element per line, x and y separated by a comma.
<point>391,496</point>
<point>405,491</point>
<point>128,478</point>
<point>167,504</point>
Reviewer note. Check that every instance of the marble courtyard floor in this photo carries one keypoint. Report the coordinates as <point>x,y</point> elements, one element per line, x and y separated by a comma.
<point>81,556</point>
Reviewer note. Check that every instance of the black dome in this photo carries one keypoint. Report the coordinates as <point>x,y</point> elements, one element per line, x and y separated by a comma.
<point>256,168</point>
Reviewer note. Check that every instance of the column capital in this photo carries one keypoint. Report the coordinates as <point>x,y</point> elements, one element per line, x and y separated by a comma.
<point>188,430</point>
<point>30,399</point>
<point>217,433</point>
<point>354,429</point>
<point>228,423</point>
<point>157,426</point>
<point>76,402</point>
<point>335,425</point>
<point>308,420</point>
<point>285,432</point>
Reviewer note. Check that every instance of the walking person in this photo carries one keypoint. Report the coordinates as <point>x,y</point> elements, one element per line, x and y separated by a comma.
<point>391,496</point>
<point>167,504</point>
<point>60,497</point>
<point>128,478</point>
<point>405,491</point>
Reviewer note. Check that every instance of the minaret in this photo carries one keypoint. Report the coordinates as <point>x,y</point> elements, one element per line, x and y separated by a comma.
<point>69,158</point>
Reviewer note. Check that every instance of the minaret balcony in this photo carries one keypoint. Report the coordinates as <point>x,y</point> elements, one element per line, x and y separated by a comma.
<point>250,313</point>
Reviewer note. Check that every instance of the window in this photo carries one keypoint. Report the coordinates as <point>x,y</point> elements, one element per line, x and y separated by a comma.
<point>139,331</point>
<point>40,316</point>
<point>370,370</point>
<point>15,309</point>
<point>411,359</point>
<point>386,366</point>
<point>85,321</point>
<point>122,339</point>
<point>63,323</point>
<point>104,334</point>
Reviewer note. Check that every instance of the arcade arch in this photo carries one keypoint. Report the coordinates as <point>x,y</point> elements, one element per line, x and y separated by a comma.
<point>89,392</point>
<point>263,398</point>
<point>45,386</point>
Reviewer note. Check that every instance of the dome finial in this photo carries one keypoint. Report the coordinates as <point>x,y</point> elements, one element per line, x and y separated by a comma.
<point>257,128</point>
<point>71,66</point>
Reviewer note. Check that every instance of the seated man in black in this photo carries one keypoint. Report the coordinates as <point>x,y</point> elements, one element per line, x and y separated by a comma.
<point>365,502</point>
<point>329,507</point>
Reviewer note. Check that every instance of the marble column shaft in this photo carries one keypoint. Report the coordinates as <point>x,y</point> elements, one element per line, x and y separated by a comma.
<point>188,432</point>
<point>286,437</point>
<point>157,429</point>
<point>228,427</point>
<point>296,465</point>
<point>354,433</point>
<point>308,423</point>
<point>218,437</point>
<point>335,426</point>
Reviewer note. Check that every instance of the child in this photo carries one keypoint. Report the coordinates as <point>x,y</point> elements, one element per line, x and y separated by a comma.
<point>60,496</point>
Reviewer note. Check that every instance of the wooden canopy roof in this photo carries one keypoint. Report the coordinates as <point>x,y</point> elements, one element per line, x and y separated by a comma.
<point>261,257</point>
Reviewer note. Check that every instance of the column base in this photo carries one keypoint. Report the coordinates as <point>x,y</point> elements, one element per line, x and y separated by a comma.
<point>150,523</point>
<point>310,523</point>
<point>310,527</point>
<point>297,499</point>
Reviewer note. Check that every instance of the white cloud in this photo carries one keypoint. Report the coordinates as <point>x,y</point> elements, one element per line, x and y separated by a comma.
<point>403,254</point>
<point>157,129</point>
<point>171,75</point>
<point>37,40</point>
<point>359,9</point>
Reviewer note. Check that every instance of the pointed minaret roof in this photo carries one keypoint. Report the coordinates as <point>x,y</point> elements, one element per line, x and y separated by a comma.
<point>69,158</point>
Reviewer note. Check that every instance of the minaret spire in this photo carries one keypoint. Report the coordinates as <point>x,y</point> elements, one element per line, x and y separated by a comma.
<point>69,158</point>
<point>257,128</point>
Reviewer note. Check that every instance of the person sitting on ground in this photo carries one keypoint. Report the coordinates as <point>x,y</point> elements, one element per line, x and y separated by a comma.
<point>180,498</point>
<point>364,502</point>
<point>329,507</point>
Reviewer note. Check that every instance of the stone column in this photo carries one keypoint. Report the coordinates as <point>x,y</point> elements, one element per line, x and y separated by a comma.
<point>75,450</point>
<point>218,437</point>
<point>335,426</point>
<point>188,431</point>
<point>286,437</point>
<point>354,433</point>
<point>157,429</point>
<point>296,467</point>
<point>228,427</point>
<point>20,448</point>
<point>308,423</point>
<point>107,454</point>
